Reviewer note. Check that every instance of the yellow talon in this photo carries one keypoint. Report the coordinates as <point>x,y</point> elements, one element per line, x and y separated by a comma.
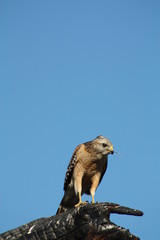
<point>80,201</point>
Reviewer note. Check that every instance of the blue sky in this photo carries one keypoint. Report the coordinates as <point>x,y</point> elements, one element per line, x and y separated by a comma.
<point>69,71</point>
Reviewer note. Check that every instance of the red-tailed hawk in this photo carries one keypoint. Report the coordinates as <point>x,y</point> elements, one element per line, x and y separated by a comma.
<point>85,171</point>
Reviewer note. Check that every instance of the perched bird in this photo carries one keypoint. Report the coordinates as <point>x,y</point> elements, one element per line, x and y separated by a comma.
<point>85,171</point>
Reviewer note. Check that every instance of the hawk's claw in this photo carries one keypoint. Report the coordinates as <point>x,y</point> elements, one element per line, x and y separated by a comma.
<point>80,203</point>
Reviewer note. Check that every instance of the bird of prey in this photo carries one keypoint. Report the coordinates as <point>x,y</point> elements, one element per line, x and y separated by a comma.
<point>85,171</point>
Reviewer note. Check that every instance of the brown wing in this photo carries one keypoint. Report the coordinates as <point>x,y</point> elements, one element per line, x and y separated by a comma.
<point>70,168</point>
<point>103,170</point>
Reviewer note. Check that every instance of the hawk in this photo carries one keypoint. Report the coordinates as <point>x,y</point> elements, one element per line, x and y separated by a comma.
<point>85,171</point>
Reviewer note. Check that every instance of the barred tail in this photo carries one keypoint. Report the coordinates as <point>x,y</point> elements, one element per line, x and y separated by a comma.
<point>64,206</point>
<point>61,209</point>
<point>68,201</point>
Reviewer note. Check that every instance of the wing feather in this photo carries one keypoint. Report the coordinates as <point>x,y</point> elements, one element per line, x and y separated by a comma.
<point>103,171</point>
<point>70,168</point>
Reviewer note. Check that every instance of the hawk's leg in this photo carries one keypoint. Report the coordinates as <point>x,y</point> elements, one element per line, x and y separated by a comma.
<point>95,182</point>
<point>92,198</point>
<point>92,194</point>
<point>78,187</point>
<point>80,201</point>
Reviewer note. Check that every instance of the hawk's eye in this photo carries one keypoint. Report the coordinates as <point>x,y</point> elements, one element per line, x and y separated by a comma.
<point>104,144</point>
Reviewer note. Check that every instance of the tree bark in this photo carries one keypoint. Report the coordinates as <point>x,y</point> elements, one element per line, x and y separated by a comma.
<point>86,222</point>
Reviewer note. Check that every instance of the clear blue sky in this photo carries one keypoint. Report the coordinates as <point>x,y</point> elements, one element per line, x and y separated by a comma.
<point>69,71</point>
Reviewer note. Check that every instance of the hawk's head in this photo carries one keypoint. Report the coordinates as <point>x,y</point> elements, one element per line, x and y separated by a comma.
<point>103,145</point>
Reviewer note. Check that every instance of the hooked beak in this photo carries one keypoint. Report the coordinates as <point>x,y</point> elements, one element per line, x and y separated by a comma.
<point>111,149</point>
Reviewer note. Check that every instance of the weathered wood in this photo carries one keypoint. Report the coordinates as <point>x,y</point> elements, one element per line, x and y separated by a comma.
<point>90,222</point>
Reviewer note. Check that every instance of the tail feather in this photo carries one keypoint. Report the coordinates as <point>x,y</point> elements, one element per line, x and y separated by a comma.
<point>68,201</point>
<point>61,209</point>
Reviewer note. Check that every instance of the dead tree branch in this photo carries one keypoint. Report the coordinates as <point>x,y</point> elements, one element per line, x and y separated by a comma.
<point>90,222</point>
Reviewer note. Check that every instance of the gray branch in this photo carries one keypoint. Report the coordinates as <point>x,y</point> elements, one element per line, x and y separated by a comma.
<point>90,221</point>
